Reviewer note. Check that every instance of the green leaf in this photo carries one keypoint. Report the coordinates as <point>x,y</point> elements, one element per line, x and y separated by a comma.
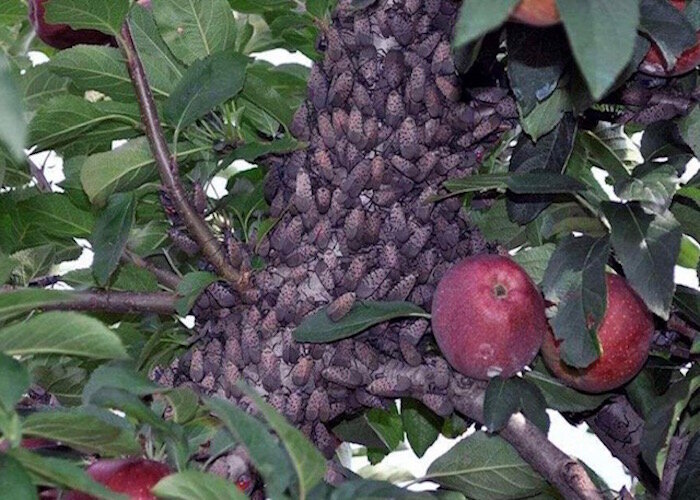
<point>689,255</point>
<point>520,183</point>
<point>688,302</point>
<point>195,30</point>
<point>190,288</point>
<point>559,396</point>
<point>269,459</point>
<point>373,489</point>
<point>53,214</point>
<point>122,376</point>
<point>129,403</point>
<point>602,37</point>
<point>485,468</point>
<point>689,127</point>
<point>687,481</point>
<point>21,301</point>
<point>647,246</point>
<point>652,184</point>
<point>162,68</point>
<point>13,383</point>
<point>549,154</point>
<point>93,67</point>
<point>535,260</point>
<point>661,424</point>
<point>319,328</point>
<point>7,265</point>
<point>422,426</point>
<point>12,12</point>
<point>206,84</point>
<point>547,114</point>
<point>670,30</point>
<point>575,283</point>
<point>61,473</point>
<point>603,156</point>
<point>184,402</point>
<point>358,430</point>
<point>495,225</point>
<point>476,18</point>
<point>197,485</point>
<point>111,234</point>
<point>13,127</point>
<point>15,482</point>
<point>504,397</point>
<point>82,431</point>
<point>39,85</point>
<point>387,425</point>
<point>687,213</point>
<point>106,16</point>
<point>123,169</point>
<point>66,333</point>
<point>308,462</point>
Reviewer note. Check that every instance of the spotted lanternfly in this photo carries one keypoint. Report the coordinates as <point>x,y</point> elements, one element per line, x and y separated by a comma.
<point>337,309</point>
<point>183,241</point>
<point>395,110</point>
<point>317,87</point>
<point>439,403</point>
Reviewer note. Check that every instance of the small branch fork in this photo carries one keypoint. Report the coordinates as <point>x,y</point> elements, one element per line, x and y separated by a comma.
<point>168,170</point>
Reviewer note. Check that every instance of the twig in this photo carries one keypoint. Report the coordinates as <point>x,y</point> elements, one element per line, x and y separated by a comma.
<point>562,471</point>
<point>676,452</point>
<point>168,169</point>
<point>117,302</point>
<point>164,277</point>
<point>41,183</point>
<point>676,324</point>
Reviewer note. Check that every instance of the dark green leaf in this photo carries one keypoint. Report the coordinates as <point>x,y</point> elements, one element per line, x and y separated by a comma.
<point>319,328</point>
<point>375,490</point>
<point>206,84</point>
<point>190,288</point>
<point>62,473</point>
<point>476,18</point>
<point>129,403</point>
<point>663,421</point>
<point>54,214</point>
<point>358,430</point>
<point>687,481</point>
<point>197,485</point>
<point>269,459</point>
<point>688,302</point>
<point>495,225</point>
<point>560,397</point>
<point>535,260</point>
<point>549,154</point>
<point>667,27</point>
<point>601,155</point>
<point>67,333</point>
<point>575,283</point>
<point>106,16</point>
<point>195,30</point>
<point>388,426</point>
<point>547,114</point>
<point>422,426</point>
<point>82,431</point>
<point>647,246</point>
<point>602,37</point>
<point>15,482</point>
<point>184,402</point>
<point>537,58</point>
<point>652,184</point>
<point>111,234</point>
<point>308,462</point>
<point>14,382</point>
<point>485,468</point>
<point>504,397</point>
<point>122,376</point>
<point>689,127</point>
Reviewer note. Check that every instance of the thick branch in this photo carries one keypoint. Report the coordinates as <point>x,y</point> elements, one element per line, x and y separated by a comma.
<point>164,277</point>
<point>168,169</point>
<point>565,473</point>
<point>117,302</point>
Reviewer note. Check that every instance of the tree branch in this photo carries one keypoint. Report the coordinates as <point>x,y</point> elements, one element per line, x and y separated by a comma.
<point>168,169</point>
<point>676,452</point>
<point>164,277</point>
<point>565,473</point>
<point>117,302</point>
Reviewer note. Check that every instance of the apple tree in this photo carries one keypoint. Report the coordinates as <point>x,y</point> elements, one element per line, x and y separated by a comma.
<point>225,343</point>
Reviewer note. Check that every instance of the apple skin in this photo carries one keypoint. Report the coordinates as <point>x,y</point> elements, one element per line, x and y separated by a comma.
<point>536,13</point>
<point>62,36</point>
<point>654,63</point>
<point>488,317</point>
<point>625,336</point>
<point>133,477</point>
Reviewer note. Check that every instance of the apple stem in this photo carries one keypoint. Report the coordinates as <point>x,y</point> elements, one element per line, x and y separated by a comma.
<point>168,169</point>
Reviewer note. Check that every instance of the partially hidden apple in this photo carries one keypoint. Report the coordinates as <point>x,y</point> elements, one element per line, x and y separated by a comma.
<point>488,317</point>
<point>536,13</point>
<point>655,64</point>
<point>625,336</point>
<point>133,477</point>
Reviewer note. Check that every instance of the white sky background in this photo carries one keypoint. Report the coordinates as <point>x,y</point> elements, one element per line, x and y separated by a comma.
<point>576,441</point>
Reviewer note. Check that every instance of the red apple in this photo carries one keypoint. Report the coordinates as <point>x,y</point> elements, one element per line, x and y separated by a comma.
<point>488,317</point>
<point>625,335</point>
<point>654,63</point>
<point>536,13</point>
<point>61,36</point>
<point>133,477</point>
